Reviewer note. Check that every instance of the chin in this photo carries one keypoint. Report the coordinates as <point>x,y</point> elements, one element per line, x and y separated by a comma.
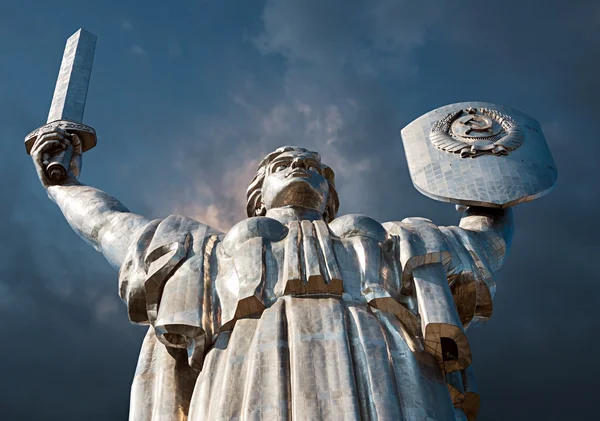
<point>300,192</point>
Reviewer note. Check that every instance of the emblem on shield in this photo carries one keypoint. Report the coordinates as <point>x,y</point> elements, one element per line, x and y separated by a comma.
<point>479,154</point>
<point>473,132</point>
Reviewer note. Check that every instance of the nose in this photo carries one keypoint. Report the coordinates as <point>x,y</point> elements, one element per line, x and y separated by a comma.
<point>298,162</point>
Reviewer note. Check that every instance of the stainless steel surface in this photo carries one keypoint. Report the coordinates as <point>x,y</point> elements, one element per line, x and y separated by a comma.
<point>479,154</point>
<point>295,314</point>
<point>68,102</point>
<point>86,133</point>
<point>58,165</point>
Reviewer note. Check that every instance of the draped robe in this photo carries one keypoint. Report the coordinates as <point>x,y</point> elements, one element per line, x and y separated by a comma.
<point>352,320</point>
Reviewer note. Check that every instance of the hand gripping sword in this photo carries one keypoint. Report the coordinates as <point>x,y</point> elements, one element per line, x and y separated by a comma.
<point>68,102</point>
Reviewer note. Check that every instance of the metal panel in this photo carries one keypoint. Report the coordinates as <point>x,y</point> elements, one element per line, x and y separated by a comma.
<point>477,153</point>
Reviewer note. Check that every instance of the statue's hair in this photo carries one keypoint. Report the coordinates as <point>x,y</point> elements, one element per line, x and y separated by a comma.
<point>254,206</point>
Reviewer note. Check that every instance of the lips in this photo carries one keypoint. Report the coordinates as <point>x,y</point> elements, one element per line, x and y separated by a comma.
<point>298,173</point>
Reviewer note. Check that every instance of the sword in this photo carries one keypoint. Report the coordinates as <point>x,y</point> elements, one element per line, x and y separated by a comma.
<point>68,102</point>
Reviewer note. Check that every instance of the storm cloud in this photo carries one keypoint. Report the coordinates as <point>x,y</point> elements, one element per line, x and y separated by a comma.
<point>188,98</point>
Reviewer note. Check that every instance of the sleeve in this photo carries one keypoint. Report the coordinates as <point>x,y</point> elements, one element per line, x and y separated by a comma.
<point>446,270</point>
<point>167,279</point>
<point>424,257</point>
<point>478,247</point>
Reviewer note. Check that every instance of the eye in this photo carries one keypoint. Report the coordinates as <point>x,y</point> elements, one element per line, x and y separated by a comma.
<point>280,167</point>
<point>314,169</point>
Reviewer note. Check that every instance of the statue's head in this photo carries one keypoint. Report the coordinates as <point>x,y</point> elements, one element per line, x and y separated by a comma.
<point>292,176</point>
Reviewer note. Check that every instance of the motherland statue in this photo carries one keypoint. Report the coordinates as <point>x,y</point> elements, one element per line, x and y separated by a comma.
<point>297,313</point>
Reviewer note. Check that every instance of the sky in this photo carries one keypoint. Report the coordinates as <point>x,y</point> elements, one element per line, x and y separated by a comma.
<point>188,96</point>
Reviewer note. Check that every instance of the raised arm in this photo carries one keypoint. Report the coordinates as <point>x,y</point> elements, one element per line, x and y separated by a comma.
<point>494,230</point>
<point>101,220</point>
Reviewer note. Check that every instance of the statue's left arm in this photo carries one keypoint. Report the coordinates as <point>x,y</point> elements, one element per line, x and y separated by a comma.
<point>493,228</point>
<point>470,152</point>
<point>477,248</point>
<point>447,283</point>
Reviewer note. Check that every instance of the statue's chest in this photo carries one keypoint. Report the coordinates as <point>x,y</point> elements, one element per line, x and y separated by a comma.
<point>261,260</point>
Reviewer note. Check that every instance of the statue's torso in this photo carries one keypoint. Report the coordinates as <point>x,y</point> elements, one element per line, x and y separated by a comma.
<point>261,259</point>
<point>305,320</point>
<point>298,337</point>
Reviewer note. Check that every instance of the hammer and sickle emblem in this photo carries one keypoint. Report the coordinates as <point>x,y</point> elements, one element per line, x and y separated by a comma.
<point>473,132</point>
<point>475,123</point>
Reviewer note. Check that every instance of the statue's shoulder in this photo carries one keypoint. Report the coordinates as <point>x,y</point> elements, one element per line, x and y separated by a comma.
<point>178,229</point>
<point>247,229</point>
<point>420,237</point>
<point>358,225</point>
<point>363,225</point>
<point>179,223</point>
<point>410,224</point>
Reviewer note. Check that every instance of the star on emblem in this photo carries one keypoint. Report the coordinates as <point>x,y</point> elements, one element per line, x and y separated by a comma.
<point>473,132</point>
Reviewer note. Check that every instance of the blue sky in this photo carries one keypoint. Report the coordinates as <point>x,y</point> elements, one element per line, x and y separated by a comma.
<point>186,97</point>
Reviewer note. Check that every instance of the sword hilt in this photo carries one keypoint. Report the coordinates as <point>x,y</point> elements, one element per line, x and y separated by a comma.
<point>87,134</point>
<point>56,170</point>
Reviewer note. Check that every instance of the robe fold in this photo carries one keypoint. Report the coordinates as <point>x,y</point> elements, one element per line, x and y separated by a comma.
<point>348,321</point>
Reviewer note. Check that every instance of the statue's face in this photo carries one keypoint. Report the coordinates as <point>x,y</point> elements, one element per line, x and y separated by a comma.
<point>295,179</point>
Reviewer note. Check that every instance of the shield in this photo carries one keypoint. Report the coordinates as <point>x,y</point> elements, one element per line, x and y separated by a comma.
<point>479,154</point>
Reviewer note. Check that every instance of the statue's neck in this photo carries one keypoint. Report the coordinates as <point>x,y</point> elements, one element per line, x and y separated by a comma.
<point>294,213</point>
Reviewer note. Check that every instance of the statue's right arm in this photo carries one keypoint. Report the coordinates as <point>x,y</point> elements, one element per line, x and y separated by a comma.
<point>101,220</point>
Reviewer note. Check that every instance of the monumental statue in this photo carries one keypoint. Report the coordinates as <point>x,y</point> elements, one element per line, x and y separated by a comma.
<point>298,313</point>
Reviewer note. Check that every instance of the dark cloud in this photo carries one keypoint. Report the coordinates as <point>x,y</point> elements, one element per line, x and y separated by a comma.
<point>60,358</point>
<point>184,132</point>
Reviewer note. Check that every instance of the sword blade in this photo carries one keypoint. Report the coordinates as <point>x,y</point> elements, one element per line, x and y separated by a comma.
<point>68,102</point>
